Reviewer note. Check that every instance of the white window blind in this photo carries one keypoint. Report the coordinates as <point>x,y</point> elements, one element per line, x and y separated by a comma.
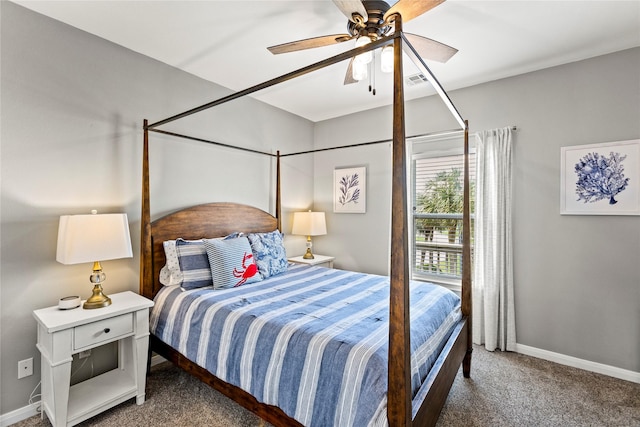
<point>437,179</point>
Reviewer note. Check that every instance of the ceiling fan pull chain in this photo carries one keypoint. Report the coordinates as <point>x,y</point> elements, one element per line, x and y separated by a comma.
<point>373,73</point>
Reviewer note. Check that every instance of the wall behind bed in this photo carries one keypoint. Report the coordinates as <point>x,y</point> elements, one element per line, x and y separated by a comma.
<point>72,111</point>
<point>577,280</point>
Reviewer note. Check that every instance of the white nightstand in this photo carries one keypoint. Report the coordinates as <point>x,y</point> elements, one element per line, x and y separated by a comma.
<point>320,260</point>
<point>62,333</point>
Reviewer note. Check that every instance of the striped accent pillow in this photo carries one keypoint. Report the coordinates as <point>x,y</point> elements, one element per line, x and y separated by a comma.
<point>232,262</point>
<point>194,264</point>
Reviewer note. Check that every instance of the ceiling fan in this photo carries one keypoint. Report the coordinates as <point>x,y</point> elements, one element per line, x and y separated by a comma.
<point>370,20</point>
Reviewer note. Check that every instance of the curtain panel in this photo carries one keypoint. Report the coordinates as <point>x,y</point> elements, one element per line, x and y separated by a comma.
<point>493,301</point>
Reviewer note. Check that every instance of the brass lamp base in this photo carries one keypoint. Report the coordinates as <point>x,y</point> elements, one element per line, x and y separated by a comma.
<point>308,254</point>
<point>98,299</point>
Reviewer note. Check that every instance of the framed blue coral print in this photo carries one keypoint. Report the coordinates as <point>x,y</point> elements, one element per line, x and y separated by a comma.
<point>350,190</point>
<point>600,179</point>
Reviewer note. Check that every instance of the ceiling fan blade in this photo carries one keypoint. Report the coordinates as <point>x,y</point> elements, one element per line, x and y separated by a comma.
<point>409,9</point>
<point>351,8</point>
<point>431,49</point>
<point>348,77</point>
<point>309,43</point>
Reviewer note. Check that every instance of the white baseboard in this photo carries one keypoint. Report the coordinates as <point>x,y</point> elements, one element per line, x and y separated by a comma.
<point>19,414</point>
<point>599,368</point>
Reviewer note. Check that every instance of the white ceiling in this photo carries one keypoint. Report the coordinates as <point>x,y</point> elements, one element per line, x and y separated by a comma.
<point>225,41</point>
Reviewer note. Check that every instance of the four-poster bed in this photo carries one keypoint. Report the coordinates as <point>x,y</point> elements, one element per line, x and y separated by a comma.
<point>405,406</point>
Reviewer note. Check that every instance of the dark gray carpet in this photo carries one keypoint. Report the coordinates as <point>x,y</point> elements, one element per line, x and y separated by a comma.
<point>506,389</point>
<point>510,389</point>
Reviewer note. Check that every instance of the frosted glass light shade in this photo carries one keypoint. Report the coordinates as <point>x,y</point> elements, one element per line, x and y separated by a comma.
<point>90,238</point>
<point>366,57</point>
<point>309,224</point>
<point>386,59</point>
<point>359,70</point>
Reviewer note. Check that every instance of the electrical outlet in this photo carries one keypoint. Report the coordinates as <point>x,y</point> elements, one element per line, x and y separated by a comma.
<point>84,354</point>
<point>25,368</point>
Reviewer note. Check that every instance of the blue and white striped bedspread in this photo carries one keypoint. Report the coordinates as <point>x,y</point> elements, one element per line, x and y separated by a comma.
<point>312,341</point>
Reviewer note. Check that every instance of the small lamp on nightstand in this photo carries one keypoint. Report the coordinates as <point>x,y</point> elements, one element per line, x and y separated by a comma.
<point>93,238</point>
<point>309,224</point>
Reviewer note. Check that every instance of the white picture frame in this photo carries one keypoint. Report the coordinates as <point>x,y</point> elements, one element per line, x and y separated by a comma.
<point>600,179</point>
<point>350,190</point>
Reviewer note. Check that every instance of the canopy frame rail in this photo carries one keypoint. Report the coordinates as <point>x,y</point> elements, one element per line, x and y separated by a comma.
<point>281,79</point>
<point>298,153</point>
<point>426,71</point>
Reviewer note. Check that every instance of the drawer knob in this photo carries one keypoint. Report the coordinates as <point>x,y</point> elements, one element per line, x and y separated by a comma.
<point>107,330</point>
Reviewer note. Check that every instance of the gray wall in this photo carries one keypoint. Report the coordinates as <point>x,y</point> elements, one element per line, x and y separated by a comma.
<point>72,111</point>
<point>577,278</point>
<point>72,108</point>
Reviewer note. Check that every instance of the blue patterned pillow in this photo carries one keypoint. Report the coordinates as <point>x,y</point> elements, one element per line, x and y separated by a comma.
<point>268,248</point>
<point>232,262</point>
<point>194,264</point>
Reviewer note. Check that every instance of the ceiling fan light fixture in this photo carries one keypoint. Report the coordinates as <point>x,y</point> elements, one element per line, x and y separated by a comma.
<point>386,59</point>
<point>366,57</point>
<point>359,70</point>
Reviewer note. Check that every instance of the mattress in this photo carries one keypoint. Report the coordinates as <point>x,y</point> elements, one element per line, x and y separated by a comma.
<point>312,341</point>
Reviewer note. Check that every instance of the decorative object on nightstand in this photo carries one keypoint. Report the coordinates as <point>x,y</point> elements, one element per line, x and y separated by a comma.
<point>319,260</point>
<point>309,224</point>
<point>63,333</point>
<point>70,302</point>
<point>93,238</point>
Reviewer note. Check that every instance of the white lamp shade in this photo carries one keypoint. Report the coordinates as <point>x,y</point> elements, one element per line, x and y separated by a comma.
<point>309,224</point>
<point>90,238</point>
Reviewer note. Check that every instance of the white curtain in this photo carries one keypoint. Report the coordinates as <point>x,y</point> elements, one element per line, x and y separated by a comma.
<point>492,284</point>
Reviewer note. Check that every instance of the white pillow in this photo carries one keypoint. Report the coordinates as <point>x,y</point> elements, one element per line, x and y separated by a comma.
<point>170,274</point>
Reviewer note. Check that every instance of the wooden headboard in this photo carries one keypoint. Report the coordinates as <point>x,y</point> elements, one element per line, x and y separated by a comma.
<point>202,221</point>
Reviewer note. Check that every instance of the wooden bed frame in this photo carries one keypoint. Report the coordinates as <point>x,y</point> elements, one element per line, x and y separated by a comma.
<point>219,219</point>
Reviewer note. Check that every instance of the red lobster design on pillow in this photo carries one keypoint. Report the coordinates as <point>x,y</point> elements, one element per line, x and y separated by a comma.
<point>247,271</point>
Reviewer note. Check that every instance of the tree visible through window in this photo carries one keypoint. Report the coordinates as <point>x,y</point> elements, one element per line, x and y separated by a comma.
<point>437,213</point>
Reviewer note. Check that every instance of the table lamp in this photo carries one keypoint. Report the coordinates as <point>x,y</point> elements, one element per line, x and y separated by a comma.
<point>309,224</point>
<point>93,238</point>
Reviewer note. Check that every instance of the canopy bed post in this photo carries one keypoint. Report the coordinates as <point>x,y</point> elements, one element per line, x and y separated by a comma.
<point>278,200</point>
<point>399,374</point>
<point>146,271</point>
<point>466,255</point>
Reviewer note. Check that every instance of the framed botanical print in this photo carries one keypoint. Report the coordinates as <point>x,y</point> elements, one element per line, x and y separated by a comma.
<point>350,190</point>
<point>600,179</point>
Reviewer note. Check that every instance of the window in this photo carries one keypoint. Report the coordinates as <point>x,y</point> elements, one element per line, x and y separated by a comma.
<point>437,174</point>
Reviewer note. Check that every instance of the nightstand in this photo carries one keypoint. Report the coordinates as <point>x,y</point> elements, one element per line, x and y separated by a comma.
<point>62,333</point>
<point>319,260</point>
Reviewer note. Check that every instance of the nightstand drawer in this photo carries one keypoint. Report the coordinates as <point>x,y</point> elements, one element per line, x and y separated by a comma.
<point>102,331</point>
